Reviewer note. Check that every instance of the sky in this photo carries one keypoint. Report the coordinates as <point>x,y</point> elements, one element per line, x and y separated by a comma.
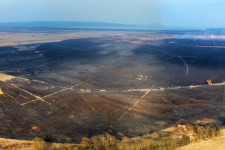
<point>179,13</point>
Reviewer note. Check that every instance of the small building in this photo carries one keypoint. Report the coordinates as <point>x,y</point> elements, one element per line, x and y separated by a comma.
<point>209,82</point>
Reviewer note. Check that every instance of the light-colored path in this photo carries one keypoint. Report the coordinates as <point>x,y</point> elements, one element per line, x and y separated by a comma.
<point>38,98</point>
<point>186,65</point>
<point>126,112</point>
<point>133,105</point>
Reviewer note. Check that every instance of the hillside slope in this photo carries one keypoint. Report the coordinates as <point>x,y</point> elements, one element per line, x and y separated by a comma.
<point>217,143</point>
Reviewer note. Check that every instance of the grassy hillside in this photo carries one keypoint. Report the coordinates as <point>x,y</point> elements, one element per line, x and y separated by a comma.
<point>171,138</point>
<point>217,143</point>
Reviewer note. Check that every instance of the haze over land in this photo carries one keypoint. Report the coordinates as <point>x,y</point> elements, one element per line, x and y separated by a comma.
<point>67,84</point>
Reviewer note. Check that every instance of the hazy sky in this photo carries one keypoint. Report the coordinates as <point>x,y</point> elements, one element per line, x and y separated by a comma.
<point>184,13</point>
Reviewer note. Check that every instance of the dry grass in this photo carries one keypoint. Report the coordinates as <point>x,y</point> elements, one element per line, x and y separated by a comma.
<point>5,77</point>
<point>162,140</point>
<point>36,144</point>
<point>10,144</point>
<point>1,92</point>
<point>166,140</point>
<point>215,143</point>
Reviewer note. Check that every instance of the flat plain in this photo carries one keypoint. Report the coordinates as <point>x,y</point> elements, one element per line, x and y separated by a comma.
<point>62,85</point>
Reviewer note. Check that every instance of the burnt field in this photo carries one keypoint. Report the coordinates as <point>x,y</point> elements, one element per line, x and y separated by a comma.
<point>124,84</point>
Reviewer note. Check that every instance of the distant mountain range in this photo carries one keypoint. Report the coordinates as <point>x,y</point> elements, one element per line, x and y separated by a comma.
<point>74,24</point>
<point>93,25</point>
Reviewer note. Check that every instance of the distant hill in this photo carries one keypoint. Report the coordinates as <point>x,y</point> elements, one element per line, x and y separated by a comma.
<point>62,24</point>
<point>74,24</point>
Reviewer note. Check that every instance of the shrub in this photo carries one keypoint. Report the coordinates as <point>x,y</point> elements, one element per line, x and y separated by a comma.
<point>161,140</point>
<point>206,132</point>
<point>85,141</point>
<point>39,144</point>
<point>103,142</point>
<point>185,140</point>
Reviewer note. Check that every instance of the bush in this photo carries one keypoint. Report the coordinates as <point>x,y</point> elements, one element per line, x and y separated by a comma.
<point>39,144</point>
<point>161,140</point>
<point>206,132</point>
<point>102,142</point>
<point>85,141</point>
<point>185,140</point>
